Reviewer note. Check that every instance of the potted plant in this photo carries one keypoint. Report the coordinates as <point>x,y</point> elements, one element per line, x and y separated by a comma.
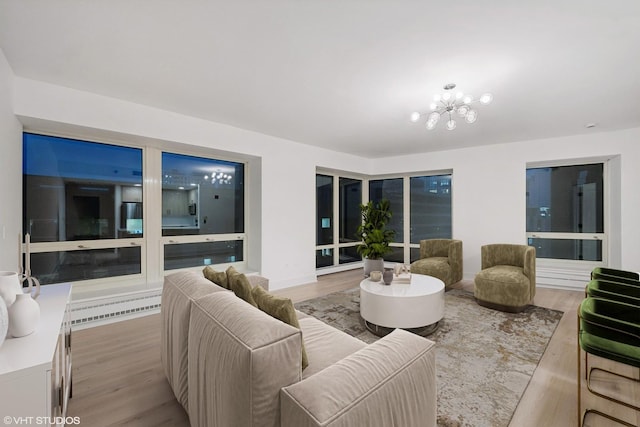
<point>374,234</point>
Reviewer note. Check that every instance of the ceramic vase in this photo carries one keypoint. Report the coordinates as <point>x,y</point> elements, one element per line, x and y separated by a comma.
<point>10,286</point>
<point>4,321</point>
<point>387,276</point>
<point>24,316</point>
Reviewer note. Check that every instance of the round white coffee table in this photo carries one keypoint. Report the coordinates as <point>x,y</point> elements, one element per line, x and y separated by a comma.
<point>417,306</point>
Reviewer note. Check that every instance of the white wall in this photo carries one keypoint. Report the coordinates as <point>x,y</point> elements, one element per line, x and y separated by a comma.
<point>489,186</point>
<point>282,213</point>
<point>11,167</point>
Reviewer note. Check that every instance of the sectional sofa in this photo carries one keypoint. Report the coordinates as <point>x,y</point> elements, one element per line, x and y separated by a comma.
<point>231,364</point>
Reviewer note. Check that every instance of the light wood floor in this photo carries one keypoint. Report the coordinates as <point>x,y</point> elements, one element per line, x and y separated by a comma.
<point>118,378</point>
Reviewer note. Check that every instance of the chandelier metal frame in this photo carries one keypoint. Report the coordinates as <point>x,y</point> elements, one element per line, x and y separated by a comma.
<point>450,104</point>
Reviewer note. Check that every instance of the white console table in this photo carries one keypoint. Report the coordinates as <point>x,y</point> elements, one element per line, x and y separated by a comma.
<point>35,371</point>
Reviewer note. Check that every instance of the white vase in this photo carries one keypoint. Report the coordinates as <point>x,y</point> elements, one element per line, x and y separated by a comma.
<point>10,286</point>
<point>24,316</point>
<point>4,321</point>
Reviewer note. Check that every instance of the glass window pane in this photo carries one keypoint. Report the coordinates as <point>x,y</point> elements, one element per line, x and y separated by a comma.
<point>324,210</point>
<point>69,266</point>
<point>565,199</point>
<point>390,189</point>
<point>77,190</point>
<point>324,258</point>
<point>201,196</point>
<point>573,249</point>
<point>186,255</point>
<point>397,255</point>
<point>430,207</point>
<point>350,217</point>
<point>415,254</point>
<point>349,254</point>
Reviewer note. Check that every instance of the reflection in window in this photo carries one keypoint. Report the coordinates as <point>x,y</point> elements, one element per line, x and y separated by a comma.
<point>565,199</point>
<point>324,210</point>
<point>187,255</point>
<point>201,196</point>
<point>350,216</point>
<point>563,204</point>
<point>430,207</point>
<point>574,249</point>
<point>70,266</point>
<point>74,190</point>
<point>324,257</point>
<point>392,190</point>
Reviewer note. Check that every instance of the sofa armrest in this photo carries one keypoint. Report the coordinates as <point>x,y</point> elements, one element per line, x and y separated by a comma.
<point>256,280</point>
<point>391,382</point>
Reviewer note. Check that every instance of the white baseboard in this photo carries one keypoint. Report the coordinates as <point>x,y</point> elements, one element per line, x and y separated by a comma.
<point>114,308</point>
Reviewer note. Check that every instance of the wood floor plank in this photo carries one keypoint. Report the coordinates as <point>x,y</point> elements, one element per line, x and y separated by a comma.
<point>118,378</point>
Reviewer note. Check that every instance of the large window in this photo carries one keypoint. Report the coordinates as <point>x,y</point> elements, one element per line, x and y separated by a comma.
<point>336,243</point>
<point>565,212</point>
<point>422,202</point>
<point>430,210</point>
<point>202,197</point>
<point>421,207</point>
<point>88,214</point>
<point>82,208</point>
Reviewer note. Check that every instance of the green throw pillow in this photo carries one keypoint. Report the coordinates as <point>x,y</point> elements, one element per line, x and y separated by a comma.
<point>240,286</point>
<point>281,309</point>
<point>217,277</point>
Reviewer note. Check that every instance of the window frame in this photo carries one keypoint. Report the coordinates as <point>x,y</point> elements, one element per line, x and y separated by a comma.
<point>336,245</point>
<point>582,265</point>
<point>151,254</point>
<point>406,245</point>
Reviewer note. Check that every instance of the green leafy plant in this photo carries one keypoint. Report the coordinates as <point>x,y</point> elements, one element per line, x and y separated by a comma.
<point>373,230</point>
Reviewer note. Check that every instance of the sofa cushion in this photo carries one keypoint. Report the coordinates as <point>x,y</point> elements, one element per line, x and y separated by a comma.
<point>280,308</point>
<point>325,345</point>
<point>240,286</point>
<point>391,382</point>
<point>217,277</point>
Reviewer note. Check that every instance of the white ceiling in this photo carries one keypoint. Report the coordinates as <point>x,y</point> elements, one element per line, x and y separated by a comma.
<point>344,74</point>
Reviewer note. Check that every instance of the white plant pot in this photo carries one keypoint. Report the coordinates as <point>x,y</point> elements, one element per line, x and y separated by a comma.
<point>24,316</point>
<point>373,265</point>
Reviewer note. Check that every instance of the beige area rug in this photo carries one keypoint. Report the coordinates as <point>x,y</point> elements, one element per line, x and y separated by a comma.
<point>485,358</point>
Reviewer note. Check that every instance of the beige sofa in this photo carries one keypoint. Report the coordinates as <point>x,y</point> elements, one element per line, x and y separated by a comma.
<point>243,367</point>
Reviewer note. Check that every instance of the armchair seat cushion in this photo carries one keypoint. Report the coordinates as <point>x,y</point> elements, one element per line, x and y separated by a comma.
<point>490,286</point>
<point>435,266</point>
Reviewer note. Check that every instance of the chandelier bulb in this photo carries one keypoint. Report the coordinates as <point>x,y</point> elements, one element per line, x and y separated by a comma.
<point>468,99</point>
<point>437,98</point>
<point>471,116</point>
<point>486,98</point>
<point>446,96</point>
<point>451,124</point>
<point>459,95</point>
<point>433,106</point>
<point>415,116</point>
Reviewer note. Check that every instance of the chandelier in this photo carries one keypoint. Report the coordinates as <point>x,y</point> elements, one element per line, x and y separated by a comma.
<point>450,104</point>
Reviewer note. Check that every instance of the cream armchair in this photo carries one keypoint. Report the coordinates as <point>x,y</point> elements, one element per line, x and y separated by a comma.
<point>507,280</point>
<point>441,258</point>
